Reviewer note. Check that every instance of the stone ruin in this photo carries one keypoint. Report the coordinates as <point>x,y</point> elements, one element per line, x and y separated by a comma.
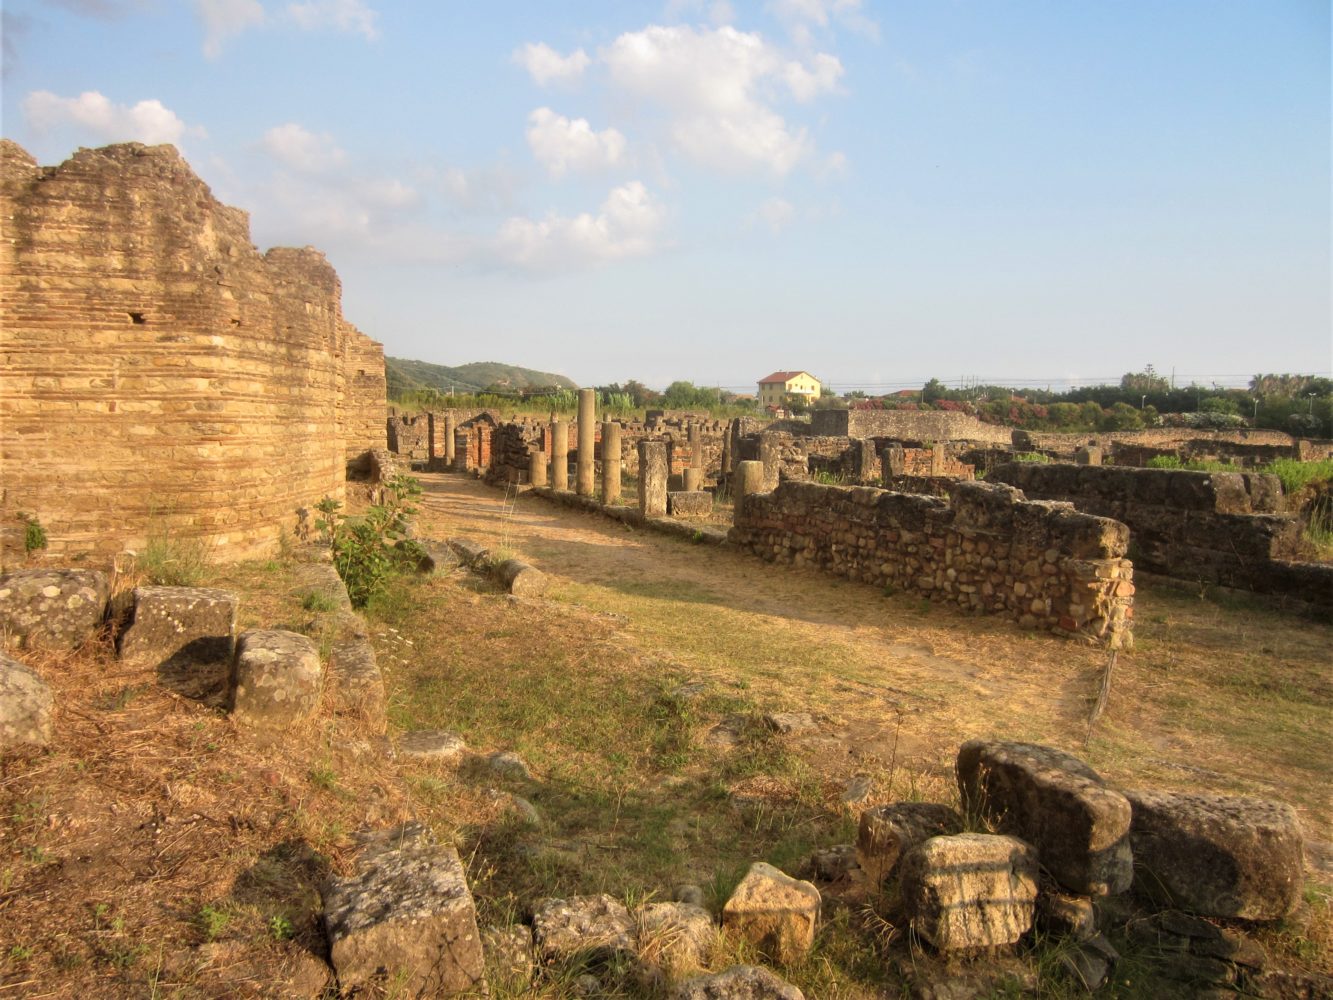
<point>160,374</point>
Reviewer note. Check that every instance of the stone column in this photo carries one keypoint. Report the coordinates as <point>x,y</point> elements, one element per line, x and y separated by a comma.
<point>450,427</point>
<point>691,477</point>
<point>559,455</point>
<point>653,471</point>
<point>461,441</point>
<point>694,434</point>
<point>1089,455</point>
<point>587,456</point>
<point>750,475</point>
<point>937,460</point>
<point>610,461</point>
<point>537,468</point>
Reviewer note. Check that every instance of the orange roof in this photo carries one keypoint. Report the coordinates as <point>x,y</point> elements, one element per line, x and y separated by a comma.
<point>782,377</point>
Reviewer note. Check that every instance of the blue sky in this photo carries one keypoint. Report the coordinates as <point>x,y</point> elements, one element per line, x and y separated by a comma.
<point>878,193</point>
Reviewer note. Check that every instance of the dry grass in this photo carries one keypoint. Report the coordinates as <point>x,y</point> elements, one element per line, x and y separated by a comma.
<point>156,851</point>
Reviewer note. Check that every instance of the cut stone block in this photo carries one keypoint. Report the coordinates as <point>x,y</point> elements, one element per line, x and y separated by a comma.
<point>1066,915</point>
<point>470,553</point>
<point>522,580</point>
<point>689,503</point>
<point>275,679</point>
<point>436,556</point>
<point>654,470</point>
<point>740,982</point>
<point>970,890</point>
<point>789,723</point>
<point>181,625</point>
<point>675,936</point>
<point>357,682</point>
<point>1218,855</point>
<point>774,912</point>
<point>592,927</point>
<point>52,608</point>
<point>25,705</point>
<point>886,833</point>
<point>433,744</point>
<point>1055,802</point>
<point>406,919</point>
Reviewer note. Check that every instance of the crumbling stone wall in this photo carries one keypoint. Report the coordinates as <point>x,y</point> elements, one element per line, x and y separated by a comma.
<point>159,373</point>
<point>1218,527</point>
<point>986,549</point>
<point>906,425</point>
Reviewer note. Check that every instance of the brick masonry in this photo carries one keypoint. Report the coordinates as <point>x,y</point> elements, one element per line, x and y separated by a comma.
<point>159,373</point>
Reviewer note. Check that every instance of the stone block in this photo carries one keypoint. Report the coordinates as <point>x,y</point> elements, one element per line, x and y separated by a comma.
<point>276,679</point>
<point>689,503</point>
<point>521,579</point>
<point>436,556</point>
<point>180,624</point>
<point>52,608</point>
<point>596,928</point>
<point>358,684</point>
<point>740,982</point>
<point>1055,802</point>
<point>886,833</point>
<point>470,553</point>
<point>970,890</point>
<point>676,937</point>
<point>1218,855</point>
<point>774,912</point>
<point>654,469</point>
<point>25,705</point>
<point>405,919</point>
<point>434,745</point>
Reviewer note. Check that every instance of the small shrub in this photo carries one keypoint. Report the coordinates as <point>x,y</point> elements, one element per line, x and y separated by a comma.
<point>173,562</point>
<point>34,535</point>
<point>280,928</point>
<point>212,921</point>
<point>370,549</point>
<point>1032,456</point>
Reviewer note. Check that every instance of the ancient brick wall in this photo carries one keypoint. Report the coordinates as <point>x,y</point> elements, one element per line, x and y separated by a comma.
<point>1217,527</point>
<point>159,374</point>
<point>906,425</point>
<point>985,549</point>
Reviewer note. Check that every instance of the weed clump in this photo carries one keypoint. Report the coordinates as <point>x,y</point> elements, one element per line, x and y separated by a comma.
<point>370,549</point>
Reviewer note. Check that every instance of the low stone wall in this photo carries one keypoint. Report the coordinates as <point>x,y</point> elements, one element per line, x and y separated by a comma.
<point>1217,527</point>
<point>906,425</point>
<point>986,549</point>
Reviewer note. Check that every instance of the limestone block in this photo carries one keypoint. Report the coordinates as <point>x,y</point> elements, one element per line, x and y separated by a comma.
<point>774,912</point>
<point>654,470</point>
<point>1218,855</point>
<point>357,682</point>
<point>1055,802</point>
<point>276,678</point>
<point>521,579</point>
<point>675,936</point>
<point>886,833</point>
<point>406,917</point>
<point>740,982</point>
<point>433,744</point>
<point>1066,915</point>
<point>970,890</point>
<point>436,556</point>
<point>25,705</point>
<point>470,553</point>
<point>52,608</point>
<point>193,624</point>
<point>689,503</point>
<point>593,927</point>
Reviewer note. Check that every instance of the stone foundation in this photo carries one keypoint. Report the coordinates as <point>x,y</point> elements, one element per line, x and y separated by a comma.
<point>987,549</point>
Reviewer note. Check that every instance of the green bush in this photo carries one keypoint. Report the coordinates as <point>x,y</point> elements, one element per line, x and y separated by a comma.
<point>370,549</point>
<point>34,535</point>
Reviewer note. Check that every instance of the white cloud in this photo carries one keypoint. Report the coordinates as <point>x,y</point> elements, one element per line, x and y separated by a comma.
<point>299,149</point>
<point>776,213</point>
<point>718,12</point>
<point>801,15</point>
<point>545,65</point>
<point>224,19</point>
<point>148,122</point>
<point>349,16</point>
<point>808,82</point>
<point>561,144</point>
<point>713,84</point>
<point>626,225</point>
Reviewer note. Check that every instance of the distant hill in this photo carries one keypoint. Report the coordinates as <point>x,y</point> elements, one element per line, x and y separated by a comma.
<point>405,375</point>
